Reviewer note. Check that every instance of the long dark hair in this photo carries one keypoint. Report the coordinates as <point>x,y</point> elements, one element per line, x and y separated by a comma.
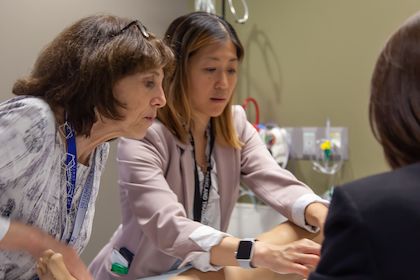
<point>186,35</point>
<point>394,110</point>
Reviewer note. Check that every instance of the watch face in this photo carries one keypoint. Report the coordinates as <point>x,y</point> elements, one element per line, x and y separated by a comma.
<point>244,250</point>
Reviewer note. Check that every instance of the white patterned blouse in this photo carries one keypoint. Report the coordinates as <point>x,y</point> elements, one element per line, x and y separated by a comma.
<point>33,179</point>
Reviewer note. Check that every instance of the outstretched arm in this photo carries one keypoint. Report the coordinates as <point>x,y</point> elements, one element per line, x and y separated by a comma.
<point>34,241</point>
<point>280,238</point>
<point>294,257</point>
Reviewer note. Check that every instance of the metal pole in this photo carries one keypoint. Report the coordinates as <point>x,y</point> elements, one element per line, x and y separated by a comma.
<point>223,9</point>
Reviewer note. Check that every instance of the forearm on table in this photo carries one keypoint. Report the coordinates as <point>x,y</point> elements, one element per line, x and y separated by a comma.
<point>287,232</point>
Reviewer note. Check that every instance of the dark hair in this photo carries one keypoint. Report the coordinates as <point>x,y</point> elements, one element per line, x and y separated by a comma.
<point>78,69</point>
<point>394,110</point>
<point>186,35</point>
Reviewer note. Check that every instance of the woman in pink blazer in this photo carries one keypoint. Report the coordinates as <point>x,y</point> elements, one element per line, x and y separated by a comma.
<point>180,183</point>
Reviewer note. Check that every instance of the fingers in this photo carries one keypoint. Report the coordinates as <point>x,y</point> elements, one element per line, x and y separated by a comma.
<point>299,269</point>
<point>306,259</point>
<point>68,262</point>
<point>297,257</point>
<point>308,246</point>
<point>296,263</point>
<point>303,247</point>
<point>58,268</point>
<point>51,266</point>
<point>303,252</point>
<point>46,255</point>
<point>41,268</point>
<point>42,264</point>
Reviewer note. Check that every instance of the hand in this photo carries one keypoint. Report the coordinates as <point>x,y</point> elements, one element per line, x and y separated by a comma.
<point>69,257</point>
<point>65,264</point>
<point>35,241</point>
<point>51,267</point>
<point>296,257</point>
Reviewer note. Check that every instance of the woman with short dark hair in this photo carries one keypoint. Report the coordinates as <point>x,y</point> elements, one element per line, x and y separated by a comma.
<point>372,230</point>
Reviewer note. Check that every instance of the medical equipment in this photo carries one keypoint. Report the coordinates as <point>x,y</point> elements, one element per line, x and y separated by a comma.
<point>328,157</point>
<point>256,108</point>
<point>210,7</point>
<point>205,6</point>
<point>274,137</point>
<point>238,19</point>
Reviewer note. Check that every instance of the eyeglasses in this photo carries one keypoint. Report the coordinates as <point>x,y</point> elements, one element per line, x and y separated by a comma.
<point>139,25</point>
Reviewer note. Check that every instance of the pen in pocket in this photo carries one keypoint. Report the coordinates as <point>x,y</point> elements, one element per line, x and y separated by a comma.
<point>119,264</point>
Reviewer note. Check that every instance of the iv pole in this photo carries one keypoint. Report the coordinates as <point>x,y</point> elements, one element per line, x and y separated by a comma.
<point>209,6</point>
<point>223,9</point>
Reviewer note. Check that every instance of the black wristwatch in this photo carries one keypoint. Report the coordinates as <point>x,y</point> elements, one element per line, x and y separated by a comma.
<point>245,252</point>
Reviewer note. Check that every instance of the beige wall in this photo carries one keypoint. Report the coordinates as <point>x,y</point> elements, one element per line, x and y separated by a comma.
<point>27,25</point>
<point>309,60</point>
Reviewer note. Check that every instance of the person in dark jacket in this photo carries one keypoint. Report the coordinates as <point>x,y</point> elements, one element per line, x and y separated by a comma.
<point>373,225</point>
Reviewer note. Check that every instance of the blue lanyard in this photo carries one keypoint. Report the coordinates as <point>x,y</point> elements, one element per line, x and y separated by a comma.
<point>71,171</point>
<point>71,164</point>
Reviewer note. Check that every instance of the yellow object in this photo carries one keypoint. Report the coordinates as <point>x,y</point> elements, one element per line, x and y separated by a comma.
<point>326,145</point>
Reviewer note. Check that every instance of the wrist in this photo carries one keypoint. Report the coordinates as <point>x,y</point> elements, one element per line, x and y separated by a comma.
<point>245,252</point>
<point>315,214</point>
<point>260,253</point>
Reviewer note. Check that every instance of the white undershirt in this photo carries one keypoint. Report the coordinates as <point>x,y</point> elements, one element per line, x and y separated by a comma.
<point>209,234</point>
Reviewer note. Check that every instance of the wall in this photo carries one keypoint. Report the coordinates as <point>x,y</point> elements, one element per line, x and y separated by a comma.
<point>26,26</point>
<point>309,60</point>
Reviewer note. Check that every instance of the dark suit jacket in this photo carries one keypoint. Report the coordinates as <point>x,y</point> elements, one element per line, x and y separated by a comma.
<point>373,229</point>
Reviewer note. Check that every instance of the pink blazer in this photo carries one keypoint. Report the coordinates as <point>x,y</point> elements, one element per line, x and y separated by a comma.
<point>156,180</point>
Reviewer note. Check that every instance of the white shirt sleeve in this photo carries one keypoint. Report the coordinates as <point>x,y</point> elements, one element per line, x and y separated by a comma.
<point>206,237</point>
<point>4,226</point>
<point>298,210</point>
